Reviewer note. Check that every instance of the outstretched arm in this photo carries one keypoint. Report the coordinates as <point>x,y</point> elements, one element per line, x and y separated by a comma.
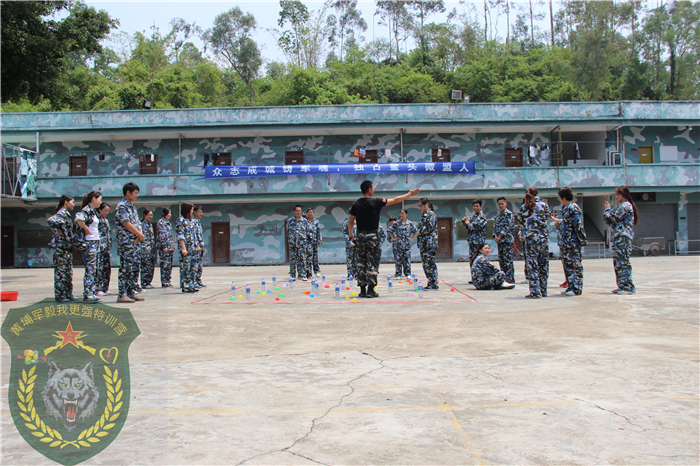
<point>402,198</point>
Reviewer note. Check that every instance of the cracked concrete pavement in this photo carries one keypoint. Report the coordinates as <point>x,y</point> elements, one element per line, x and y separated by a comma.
<point>463,377</point>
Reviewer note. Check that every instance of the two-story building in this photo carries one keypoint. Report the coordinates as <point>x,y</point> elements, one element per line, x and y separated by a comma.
<point>653,147</point>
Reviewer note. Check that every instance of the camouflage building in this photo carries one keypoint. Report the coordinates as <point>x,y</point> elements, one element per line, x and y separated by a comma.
<point>653,147</point>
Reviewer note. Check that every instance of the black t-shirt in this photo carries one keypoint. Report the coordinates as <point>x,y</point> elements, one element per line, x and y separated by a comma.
<point>366,211</point>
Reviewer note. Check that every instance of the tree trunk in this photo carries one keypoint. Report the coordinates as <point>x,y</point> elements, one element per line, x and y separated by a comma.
<point>551,22</point>
<point>673,69</point>
<point>532,25</point>
<point>486,24</point>
<point>507,22</point>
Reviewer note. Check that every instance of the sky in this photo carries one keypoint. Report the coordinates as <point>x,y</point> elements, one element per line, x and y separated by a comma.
<point>142,15</point>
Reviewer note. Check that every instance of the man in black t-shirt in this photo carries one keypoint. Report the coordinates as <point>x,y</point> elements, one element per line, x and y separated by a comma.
<point>366,210</point>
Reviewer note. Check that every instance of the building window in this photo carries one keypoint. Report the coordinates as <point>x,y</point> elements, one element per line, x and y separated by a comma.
<point>148,164</point>
<point>294,157</point>
<point>514,157</point>
<point>78,165</point>
<point>442,155</point>
<point>221,159</point>
<point>370,156</point>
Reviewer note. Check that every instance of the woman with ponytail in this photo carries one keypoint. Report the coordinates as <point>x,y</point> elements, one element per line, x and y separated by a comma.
<point>87,220</point>
<point>62,243</point>
<point>105,260</point>
<point>536,235</point>
<point>484,275</point>
<point>148,261</point>
<point>165,243</point>
<point>622,221</point>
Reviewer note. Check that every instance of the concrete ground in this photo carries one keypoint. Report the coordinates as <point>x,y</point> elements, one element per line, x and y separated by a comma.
<point>459,377</point>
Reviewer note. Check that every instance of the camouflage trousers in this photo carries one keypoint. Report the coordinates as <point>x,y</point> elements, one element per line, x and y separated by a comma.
<point>494,281</point>
<point>312,260</point>
<point>537,259</point>
<point>198,261</point>
<point>166,267</point>
<point>473,252</point>
<point>62,273</point>
<point>351,259</point>
<point>403,262</point>
<point>524,254</point>
<point>573,268</point>
<point>147,266</point>
<point>129,265</point>
<point>187,272</point>
<point>369,253</point>
<point>105,271</point>
<point>92,267</point>
<point>505,259</point>
<point>427,257</point>
<point>623,267</point>
<point>298,262</point>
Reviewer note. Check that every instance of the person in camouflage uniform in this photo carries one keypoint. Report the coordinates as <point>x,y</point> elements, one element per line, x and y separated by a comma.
<point>350,250</point>
<point>62,244</point>
<point>315,240</point>
<point>503,231</point>
<point>427,235</point>
<point>622,221</point>
<point>389,231</point>
<point>484,274</point>
<point>147,250</point>
<point>105,271</point>
<point>199,256</point>
<point>87,220</point>
<point>187,239</point>
<point>536,236</point>
<point>402,231</point>
<point>298,236</point>
<point>521,221</point>
<point>129,237</point>
<point>366,210</point>
<point>476,229</point>
<point>571,239</point>
<point>165,242</point>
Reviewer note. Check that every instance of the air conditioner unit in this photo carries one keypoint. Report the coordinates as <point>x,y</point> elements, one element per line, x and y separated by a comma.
<point>615,159</point>
<point>455,95</point>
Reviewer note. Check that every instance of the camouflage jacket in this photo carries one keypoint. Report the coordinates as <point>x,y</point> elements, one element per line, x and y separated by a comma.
<point>621,220</point>
<point>482,271</point>
<point>148,242</point>
<point>315,236</point>
<point>504,224</point>
<point>382,234</point>
<point>198,232</point>
<point>61,223</point>
<point>403,232</point>
<point>427,231</point>
<point>346,232</point>
<point>126,212</point>
<point>105,235</point>
<point>164,237</point>
<point>298,232</point>
<point>535,226</point>
<point>571,232</point>
<point>476,228</point>
<point>185,232</point>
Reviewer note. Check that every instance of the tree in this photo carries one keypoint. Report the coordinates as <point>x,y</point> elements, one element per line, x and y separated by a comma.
<point>179,34</point>
<point>230,39</point>
<point>349,20</point>
<point>297,15</point>
<point>424,9</point>
<point>395,15</point>
<point>35,50</point>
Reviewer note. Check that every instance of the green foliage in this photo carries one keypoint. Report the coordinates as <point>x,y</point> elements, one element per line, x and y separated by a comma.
<point>597,50</point>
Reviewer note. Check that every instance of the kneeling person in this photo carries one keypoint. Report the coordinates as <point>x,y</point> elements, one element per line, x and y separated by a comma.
<point>484,275</point>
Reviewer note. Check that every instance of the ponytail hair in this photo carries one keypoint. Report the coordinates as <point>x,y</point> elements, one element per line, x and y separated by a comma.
<point>145,212</point>
<point>89,197</point>
<point>530,202</point>
<point>61,202</point>
<point>478,251</point>
<point>624,191</point>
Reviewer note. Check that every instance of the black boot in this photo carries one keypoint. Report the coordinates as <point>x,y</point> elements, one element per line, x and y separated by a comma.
<point>363,291</point>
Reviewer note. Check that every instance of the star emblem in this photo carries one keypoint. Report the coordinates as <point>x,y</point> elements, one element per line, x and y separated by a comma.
<point>69,336</point>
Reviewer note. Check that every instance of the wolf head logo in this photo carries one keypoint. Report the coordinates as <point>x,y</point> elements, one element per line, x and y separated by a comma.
<point>70,393</point>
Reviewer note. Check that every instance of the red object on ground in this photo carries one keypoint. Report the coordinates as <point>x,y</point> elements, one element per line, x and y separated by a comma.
<point>452,289</point>
<point>9,296</point>
<point>563,285</point>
